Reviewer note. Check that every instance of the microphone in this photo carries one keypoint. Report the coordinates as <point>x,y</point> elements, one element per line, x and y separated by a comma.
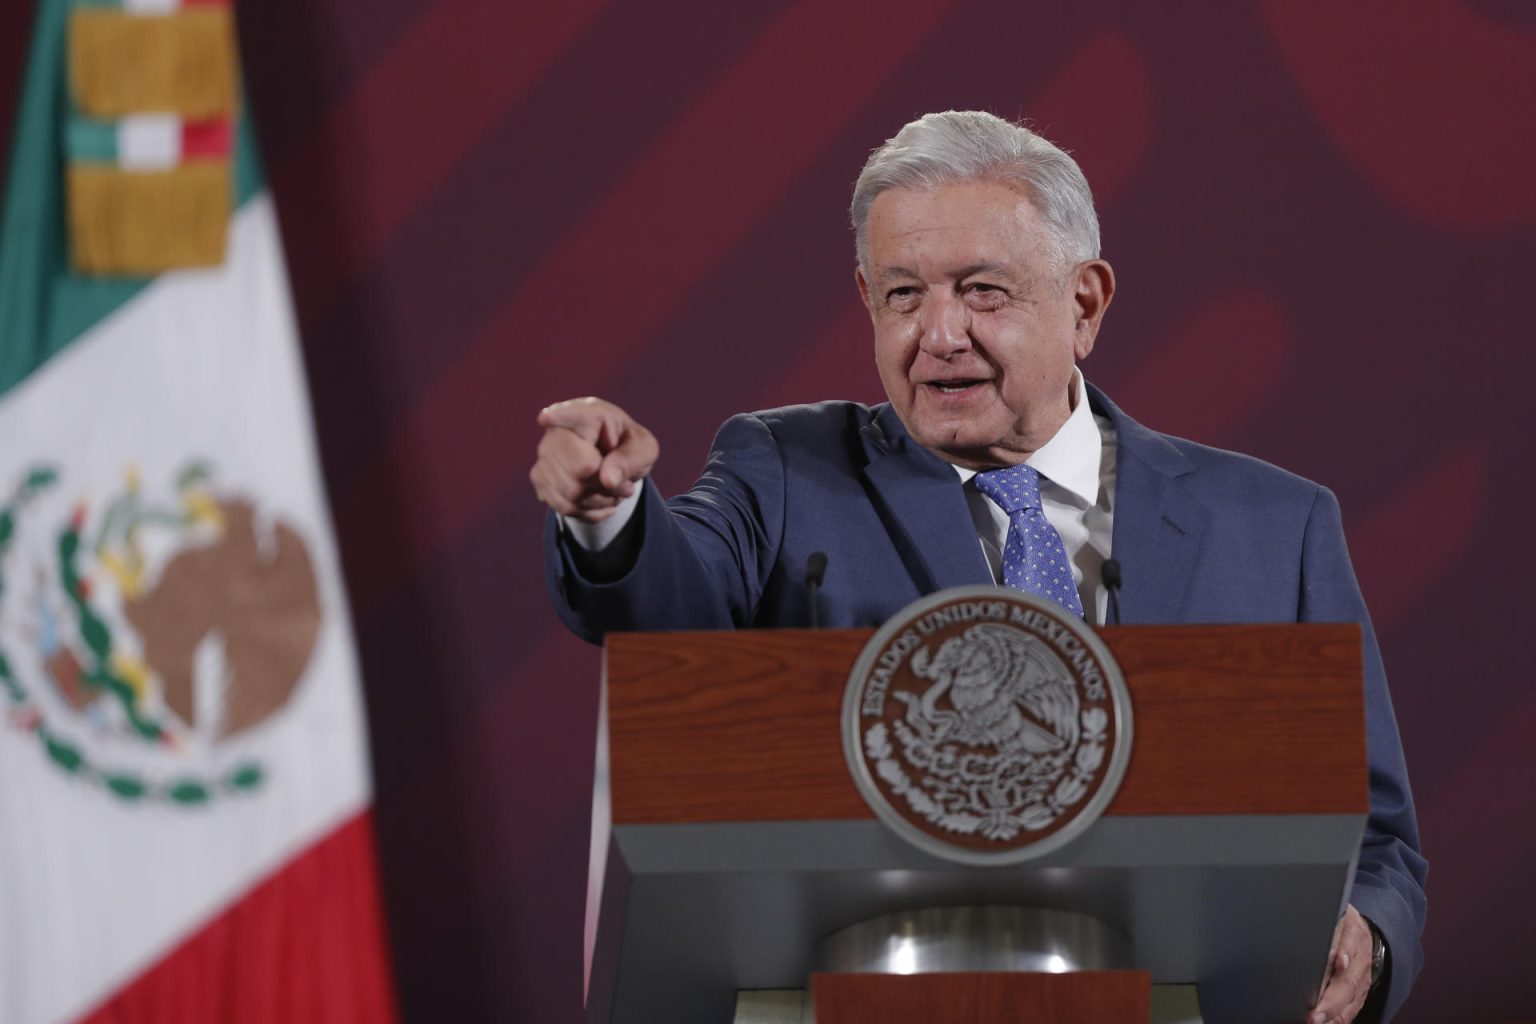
<point>815,572</point>
<point>1109,572</point>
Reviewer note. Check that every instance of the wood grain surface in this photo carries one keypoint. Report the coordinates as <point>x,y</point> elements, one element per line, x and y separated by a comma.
<point>995,997</point>
<point>746,725</point>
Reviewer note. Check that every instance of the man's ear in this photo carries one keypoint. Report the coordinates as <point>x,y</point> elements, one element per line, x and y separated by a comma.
<point>863,283</point>
<point>1092,289</point>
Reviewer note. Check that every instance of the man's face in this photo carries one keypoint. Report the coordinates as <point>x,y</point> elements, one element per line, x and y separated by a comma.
<point>976,326</point>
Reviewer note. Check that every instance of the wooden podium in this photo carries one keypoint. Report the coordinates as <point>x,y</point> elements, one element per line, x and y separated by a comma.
<point>729,838</point>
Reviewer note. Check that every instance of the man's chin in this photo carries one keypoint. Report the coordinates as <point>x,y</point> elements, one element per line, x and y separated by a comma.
<point>957,445</point>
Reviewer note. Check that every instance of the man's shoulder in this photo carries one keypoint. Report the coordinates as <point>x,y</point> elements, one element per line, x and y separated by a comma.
<point>814,417</point>
<point>818,424</point>
<point>1206,468</point>
<point>1221,466</point>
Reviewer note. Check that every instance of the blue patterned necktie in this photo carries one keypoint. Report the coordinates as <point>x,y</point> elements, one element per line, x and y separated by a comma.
<point>1034,559</point>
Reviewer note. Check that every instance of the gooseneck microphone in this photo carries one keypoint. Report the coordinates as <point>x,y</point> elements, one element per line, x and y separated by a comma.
<point>815,572</point>
<point>1109,572</point>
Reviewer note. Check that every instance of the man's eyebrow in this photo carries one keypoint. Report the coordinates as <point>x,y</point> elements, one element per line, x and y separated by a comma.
<point>985,267</point>
<point>887,273</point>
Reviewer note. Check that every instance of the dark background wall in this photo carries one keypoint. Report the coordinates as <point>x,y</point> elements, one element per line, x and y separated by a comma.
<point>1323,219</point>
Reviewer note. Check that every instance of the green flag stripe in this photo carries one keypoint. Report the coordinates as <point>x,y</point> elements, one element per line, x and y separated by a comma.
<point>43,306</point>
<point>91,141</point>
<point>249,176</point>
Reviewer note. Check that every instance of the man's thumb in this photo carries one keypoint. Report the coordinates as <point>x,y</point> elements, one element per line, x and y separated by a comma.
<point>629,462</point>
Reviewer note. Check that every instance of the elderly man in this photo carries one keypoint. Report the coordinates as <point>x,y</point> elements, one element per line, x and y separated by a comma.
<point>994,461</point>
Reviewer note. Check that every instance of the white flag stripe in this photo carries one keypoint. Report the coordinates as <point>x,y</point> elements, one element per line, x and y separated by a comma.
<point>151,6</point>
<point>148,142</point>
<point>201,364</point>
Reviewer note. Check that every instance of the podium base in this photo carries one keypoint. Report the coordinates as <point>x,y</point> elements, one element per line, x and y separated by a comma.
<point>977,964</point>
<point>962,939</point>
<point>1171,1004</point>
<point>986,997</point>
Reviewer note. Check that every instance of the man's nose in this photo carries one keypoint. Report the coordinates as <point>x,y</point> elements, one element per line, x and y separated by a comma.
<point>946,326</point>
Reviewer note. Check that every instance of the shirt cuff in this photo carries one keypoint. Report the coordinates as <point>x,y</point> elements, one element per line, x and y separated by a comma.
<point>597,536</point>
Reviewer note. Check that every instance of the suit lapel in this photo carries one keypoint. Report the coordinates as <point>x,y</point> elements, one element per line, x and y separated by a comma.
<point>1159,528</point>
<point>920,500</point>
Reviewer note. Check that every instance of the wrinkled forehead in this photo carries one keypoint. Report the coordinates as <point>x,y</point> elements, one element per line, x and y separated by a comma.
<point>951,228</point>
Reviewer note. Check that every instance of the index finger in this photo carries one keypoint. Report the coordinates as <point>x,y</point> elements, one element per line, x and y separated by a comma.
<point>1345,992</point>
<point>590,418</point>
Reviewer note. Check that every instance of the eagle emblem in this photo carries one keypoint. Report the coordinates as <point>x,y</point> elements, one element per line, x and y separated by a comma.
<point>146,637</point>
<point>986,725</point>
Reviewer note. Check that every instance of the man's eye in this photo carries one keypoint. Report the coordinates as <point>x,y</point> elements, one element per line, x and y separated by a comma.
<point>985,296</point>
<point>904,297</point>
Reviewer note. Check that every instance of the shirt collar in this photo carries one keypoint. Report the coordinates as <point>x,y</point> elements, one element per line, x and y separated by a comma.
<point>1070,459</point>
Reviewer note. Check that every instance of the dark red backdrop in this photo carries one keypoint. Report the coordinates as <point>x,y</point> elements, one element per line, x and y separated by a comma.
<point>1322,218</point>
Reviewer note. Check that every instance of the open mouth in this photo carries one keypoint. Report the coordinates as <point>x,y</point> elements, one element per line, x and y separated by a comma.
<point>953,387</point>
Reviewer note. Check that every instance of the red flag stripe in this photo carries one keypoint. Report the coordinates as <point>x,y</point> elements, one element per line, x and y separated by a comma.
<point>305,946</point>
<point>206,140</point>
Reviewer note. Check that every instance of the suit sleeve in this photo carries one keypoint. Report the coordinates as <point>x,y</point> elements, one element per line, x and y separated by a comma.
<point>1389,880</point>
<point>701,560</point>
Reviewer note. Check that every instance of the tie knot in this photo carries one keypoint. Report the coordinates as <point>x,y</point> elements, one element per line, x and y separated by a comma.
<point>1015,489</point>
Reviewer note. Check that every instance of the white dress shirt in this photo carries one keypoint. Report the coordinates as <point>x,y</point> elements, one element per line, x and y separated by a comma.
<point>1077,495</point>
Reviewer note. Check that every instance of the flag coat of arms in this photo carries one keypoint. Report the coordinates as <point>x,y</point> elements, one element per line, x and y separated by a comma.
<point>184,814</point>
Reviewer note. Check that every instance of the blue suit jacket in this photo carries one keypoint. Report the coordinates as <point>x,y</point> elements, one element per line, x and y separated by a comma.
<point>1204,536</point>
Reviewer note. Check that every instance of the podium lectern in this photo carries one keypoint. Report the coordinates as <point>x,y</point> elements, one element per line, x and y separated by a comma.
<point>730,841</point>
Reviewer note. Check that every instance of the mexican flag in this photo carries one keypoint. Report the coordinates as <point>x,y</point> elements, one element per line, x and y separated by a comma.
<point>184,791</point>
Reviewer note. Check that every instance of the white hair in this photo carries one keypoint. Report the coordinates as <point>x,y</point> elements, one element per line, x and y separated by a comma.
<point>972,145</point>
